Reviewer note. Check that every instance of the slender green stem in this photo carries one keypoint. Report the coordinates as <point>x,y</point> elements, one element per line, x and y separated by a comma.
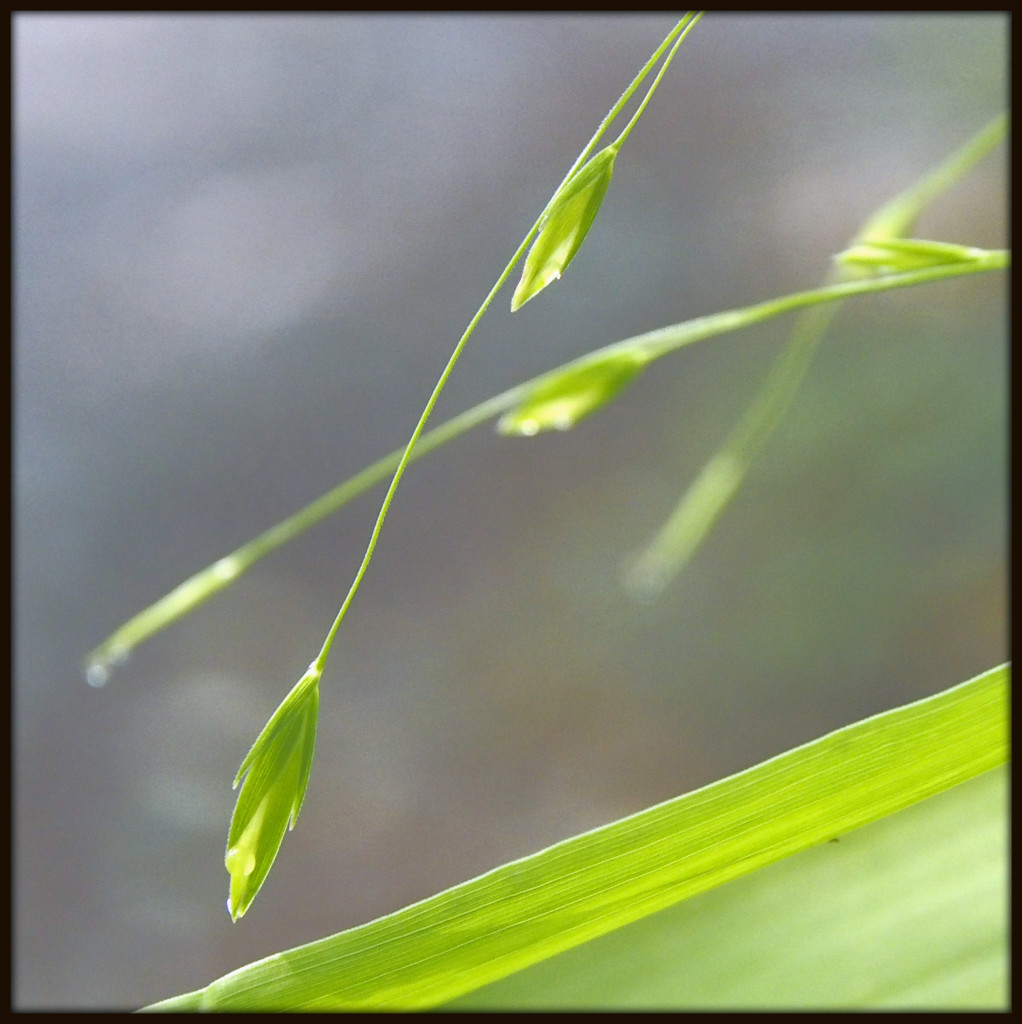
<point>682,26</point>
<point>719,480</point>
<point>655,344</point>
<point>705,499</point>
<point>891,220</point>
<point>200,587</point>
<point>204,584</point>
<point>898,215</point>
<point>626,131</point>
<point>667,339</point>
<point>320,662</point>
<point>680,31</point>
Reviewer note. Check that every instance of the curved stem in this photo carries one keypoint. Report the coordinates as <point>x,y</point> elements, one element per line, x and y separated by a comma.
<point>203,585</point>
<point>682,27</point>
<point>691,21</point>
<point>209,581</point>
<point>320,663</point>
<point>677,34</point>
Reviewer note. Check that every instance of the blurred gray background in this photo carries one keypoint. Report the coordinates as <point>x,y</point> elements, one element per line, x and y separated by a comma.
<point>245,246</point>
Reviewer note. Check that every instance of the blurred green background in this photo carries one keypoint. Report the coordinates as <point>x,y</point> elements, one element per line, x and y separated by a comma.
<point>244,247</point>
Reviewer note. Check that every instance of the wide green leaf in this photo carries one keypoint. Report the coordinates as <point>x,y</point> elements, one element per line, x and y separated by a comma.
<point>528,910</point>
<point>907,913</point>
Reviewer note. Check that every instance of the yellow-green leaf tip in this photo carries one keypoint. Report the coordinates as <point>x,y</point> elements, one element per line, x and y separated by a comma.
<point>565,226</point>
<point>559,401</point>
<point>276,774</point>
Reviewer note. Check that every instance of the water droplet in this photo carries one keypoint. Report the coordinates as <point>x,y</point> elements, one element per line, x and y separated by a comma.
<point>97,674</point>
<point>98,671</point>
<point>240,861</point>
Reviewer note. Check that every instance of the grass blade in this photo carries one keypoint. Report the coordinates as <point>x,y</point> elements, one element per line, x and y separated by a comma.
<point>906,913</point>
<point>528,910</point>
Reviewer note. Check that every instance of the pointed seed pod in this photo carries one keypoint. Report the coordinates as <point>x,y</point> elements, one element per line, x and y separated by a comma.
<point>565,226</point>
<point>276,773</point>
<point>560,401</point>
<point>901,255</point>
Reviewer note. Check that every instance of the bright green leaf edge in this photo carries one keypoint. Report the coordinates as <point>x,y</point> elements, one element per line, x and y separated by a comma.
<point>523,912</point>
<point>910,912</point>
